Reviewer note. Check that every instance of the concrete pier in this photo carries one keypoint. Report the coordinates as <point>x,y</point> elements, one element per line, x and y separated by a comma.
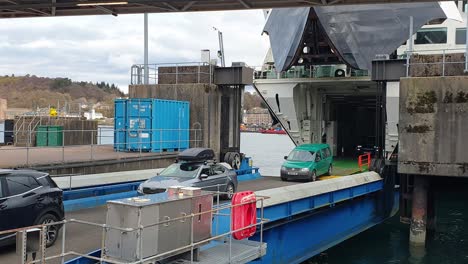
<point>419,211</point>
<point>205,106</point>
<point>90,159</point>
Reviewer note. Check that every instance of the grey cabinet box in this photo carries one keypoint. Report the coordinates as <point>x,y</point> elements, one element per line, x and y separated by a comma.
<point>146,211</point>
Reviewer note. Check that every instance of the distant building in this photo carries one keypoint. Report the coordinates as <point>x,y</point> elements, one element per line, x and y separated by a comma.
<point>92,115</point>
<point>257,116</point>
<point>3,108</point>
<point>11,113</point>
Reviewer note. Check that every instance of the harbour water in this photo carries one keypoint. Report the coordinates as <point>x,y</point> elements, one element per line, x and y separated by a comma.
<point>266,150</point>
<point>388,242</point>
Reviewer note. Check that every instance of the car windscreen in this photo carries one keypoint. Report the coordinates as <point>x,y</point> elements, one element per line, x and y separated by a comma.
<point>301,155</point>
<point>184,170</point>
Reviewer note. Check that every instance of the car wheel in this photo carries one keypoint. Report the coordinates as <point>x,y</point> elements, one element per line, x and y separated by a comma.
<point>313,176</point>
<point>52,231</point>
<point>330,170</point>
<point>230,190</point>
<point>284,179</point>
<point>236,161</point>
<point>227,158</point>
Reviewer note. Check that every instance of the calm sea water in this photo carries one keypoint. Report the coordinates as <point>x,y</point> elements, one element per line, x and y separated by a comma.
<point>266,150</point>
<point>387,243</point>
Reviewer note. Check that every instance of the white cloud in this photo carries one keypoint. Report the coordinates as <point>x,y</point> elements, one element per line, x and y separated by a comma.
<point>103,48</point>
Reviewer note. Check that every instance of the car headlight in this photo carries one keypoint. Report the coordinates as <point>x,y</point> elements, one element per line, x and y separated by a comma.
<point>283,168</point>
<point>140,189</point>
<point>305,169</point>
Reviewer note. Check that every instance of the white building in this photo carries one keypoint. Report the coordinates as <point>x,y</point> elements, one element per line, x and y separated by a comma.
<point>92,115</point>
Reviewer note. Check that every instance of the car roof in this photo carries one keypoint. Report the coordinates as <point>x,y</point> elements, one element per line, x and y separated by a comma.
<point>33,173</point>
<point>200,163</point>
<point>313,147</point>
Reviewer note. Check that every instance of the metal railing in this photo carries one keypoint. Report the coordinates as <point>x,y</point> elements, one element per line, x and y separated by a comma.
<point>216,212</point>
<point>173,73</point>
<point>440,62</point>
<point>96,144</point>
<point>310,72</point>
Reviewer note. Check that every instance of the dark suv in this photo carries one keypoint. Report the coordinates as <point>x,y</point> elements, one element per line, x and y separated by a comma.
<point>29,198</point>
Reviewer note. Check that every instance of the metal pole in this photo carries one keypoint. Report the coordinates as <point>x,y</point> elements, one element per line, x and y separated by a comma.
<point>419,211</point>
<point>443,63</point>
<point>23,246</point>
<point>139,136</point>
<point>92,142</point>
<point>466,40</point>
<point>140,234</point>
<point>64,227</point>
<point>27,147</point>
<point>261,226</point>
<point>63,146</point>
<point>217,207</point>
<point>221,47</point>
<point>43,244</point>
<point>191,239</point>
<point>146,81</point>
<point>409,46</point>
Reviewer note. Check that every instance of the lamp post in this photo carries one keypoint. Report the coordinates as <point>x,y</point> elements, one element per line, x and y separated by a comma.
<point>146,79</point>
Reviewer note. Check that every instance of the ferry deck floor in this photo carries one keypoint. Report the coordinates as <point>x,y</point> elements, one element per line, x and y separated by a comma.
<point>83,238</point>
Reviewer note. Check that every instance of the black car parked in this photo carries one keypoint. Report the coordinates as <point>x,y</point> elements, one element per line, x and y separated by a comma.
<point>29,198</point>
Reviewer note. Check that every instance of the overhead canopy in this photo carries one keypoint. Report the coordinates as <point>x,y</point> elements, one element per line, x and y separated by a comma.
<point>45,8</point>
<point>345,34</point>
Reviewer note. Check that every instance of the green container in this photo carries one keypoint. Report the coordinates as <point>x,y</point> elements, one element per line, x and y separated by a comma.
<point>41,136</point>
<point>51,136</point>
<point>55,136</point>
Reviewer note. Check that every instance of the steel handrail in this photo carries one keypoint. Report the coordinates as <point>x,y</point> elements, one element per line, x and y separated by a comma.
<point>260,222</point>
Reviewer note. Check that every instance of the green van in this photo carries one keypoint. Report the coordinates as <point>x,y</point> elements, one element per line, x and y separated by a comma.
<point>306,162</point>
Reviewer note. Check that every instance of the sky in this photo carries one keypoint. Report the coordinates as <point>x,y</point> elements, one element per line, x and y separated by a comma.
<point>103,48</point>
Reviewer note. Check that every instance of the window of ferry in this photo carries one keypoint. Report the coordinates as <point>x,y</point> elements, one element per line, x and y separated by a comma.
<point>431,36</point>
<point>460,36</point>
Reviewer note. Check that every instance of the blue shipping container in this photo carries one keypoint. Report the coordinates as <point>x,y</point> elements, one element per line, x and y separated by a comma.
<point>152,125</point>
<point>171,126</point>
<point>120,129</point>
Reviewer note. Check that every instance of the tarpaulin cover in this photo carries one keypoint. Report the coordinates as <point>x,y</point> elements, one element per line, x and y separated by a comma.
<point>357,32</point>
<point>285,27</point>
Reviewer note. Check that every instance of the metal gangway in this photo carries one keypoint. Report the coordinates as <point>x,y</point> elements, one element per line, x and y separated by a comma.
<point>221,247</point>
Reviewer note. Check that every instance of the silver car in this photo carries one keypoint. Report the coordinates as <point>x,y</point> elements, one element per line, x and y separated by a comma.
<point>209,176</point>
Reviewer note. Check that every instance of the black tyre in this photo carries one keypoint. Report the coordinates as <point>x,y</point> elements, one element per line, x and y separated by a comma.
<point>284,179</point>
<point>52,231</point>
<point>227,157</point>
<point>236,161</point>
<point>313,176</point>
<point>230,190</point>
<point>330,170</point>
<point>340,73</point>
